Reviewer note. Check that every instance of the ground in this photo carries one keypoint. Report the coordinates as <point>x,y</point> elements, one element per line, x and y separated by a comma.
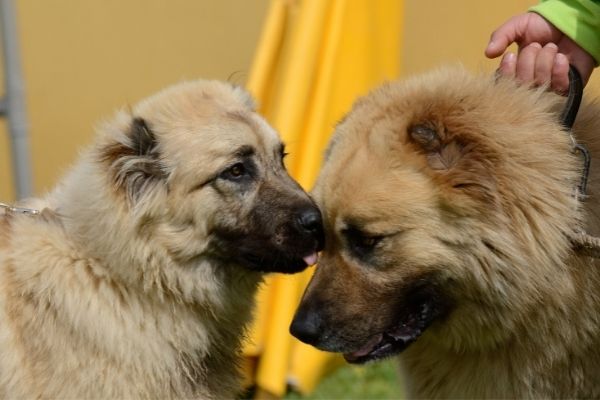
<point>373,381</point>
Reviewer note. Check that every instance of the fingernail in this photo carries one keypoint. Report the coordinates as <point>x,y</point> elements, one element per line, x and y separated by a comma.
<point>561,59</point>
<point>508,58</point>
<point>551,45</point>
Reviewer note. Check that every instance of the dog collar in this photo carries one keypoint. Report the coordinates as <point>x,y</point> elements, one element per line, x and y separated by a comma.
<point>8,209</point>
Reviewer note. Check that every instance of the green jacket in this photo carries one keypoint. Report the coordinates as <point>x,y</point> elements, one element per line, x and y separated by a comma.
<point>578,19</point>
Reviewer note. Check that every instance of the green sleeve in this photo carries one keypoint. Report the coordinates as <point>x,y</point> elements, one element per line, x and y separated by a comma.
<point>578,19</point>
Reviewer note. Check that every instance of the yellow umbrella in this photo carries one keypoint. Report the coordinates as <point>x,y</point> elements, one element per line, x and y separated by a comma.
<point>314,58</point>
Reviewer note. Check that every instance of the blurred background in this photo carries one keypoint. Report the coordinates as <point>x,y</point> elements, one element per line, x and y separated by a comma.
<point>304,60</point>
<point>83,59</point>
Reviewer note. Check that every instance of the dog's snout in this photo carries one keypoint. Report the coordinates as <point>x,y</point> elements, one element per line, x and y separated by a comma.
<point>306,325</point>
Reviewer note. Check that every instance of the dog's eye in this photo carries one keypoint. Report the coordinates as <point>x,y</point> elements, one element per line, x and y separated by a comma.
<point>364,246</point>
<point>366,243</point>
<point>235,172</point>
<point>362,243</point>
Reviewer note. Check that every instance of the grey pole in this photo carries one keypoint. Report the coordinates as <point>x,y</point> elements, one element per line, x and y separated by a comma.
<point>13,103</point>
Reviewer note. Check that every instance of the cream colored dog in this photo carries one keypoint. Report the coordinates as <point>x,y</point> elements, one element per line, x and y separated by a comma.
<point>448,205</point>
<point>137,278</point>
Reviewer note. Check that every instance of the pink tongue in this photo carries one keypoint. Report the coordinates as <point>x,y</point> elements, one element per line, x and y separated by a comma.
<point>366,349</point>
<point>311,259</point>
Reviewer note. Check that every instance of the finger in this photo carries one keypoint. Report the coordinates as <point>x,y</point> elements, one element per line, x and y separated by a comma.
<point>508,65</point>
<point>502,37</point>
<point>544,63</point>
<point>579,58</point>
<point>583,62</point>
<point>560,74</point>
<point>585,68</point>
<point>526,62</point>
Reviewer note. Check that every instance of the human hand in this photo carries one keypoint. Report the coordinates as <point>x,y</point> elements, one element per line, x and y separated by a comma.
<point>544,52</point>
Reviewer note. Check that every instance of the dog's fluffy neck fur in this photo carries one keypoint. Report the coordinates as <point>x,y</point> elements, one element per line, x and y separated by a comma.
<point>507,346</point>
<point>548,328</point>
<point>506,369</point>
<point>172,307</point>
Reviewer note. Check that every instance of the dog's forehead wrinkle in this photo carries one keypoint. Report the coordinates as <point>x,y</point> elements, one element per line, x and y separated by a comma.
<point>272,157</point>
<point>245,151</point>
<point>270,145</point>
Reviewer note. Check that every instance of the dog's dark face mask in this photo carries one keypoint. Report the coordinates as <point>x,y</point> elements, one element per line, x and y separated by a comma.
<point>281,228</point>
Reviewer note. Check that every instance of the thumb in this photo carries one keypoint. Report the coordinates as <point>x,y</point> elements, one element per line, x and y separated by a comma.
<point>501,38</point>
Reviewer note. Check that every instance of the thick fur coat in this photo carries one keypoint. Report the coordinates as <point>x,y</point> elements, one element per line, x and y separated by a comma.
<point>137,278</point>
<point>448,203</point>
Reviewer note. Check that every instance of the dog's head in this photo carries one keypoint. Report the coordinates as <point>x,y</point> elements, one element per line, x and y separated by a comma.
<point>446,202</point>
<point>196,172</point>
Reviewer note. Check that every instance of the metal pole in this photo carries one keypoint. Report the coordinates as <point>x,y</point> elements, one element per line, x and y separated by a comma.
<point>13,104</point>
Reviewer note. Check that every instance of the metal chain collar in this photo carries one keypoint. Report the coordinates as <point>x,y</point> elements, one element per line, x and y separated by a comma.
<point>8,209</point>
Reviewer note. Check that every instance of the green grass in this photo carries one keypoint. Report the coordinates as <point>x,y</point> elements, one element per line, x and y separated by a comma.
<point>372,381</point>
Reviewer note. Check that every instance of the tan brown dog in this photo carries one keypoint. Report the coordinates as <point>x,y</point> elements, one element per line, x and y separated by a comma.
<point>137,279</point>
<point>448,202</point>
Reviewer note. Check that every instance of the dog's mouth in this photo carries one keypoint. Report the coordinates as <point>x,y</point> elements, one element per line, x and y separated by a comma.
<point>280,262</point>
<point>258,253</point>
<point>421,313</point>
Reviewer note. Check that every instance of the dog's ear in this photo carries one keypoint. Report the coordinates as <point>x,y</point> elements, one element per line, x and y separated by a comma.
<point>135,163</point>
<point>457,160</point>
<point>143,139</point>
<point>441,153</point>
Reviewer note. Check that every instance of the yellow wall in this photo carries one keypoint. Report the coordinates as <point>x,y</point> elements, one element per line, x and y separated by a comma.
<point>82,59</point>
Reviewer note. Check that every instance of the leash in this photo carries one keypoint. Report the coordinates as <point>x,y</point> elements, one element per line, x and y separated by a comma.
<point>567,119</point>
<point>582,242</point>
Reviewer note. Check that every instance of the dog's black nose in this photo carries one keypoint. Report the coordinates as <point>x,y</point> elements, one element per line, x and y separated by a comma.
<point>310,221</point>
<point>306,325</point>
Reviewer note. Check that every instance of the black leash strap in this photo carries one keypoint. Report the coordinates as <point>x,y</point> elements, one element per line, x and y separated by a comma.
<point>582,242</point>
<point>567,118</point>
<point>573,99</point>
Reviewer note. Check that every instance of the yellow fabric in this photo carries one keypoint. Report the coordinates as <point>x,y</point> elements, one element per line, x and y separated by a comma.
<point>314,58</point>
